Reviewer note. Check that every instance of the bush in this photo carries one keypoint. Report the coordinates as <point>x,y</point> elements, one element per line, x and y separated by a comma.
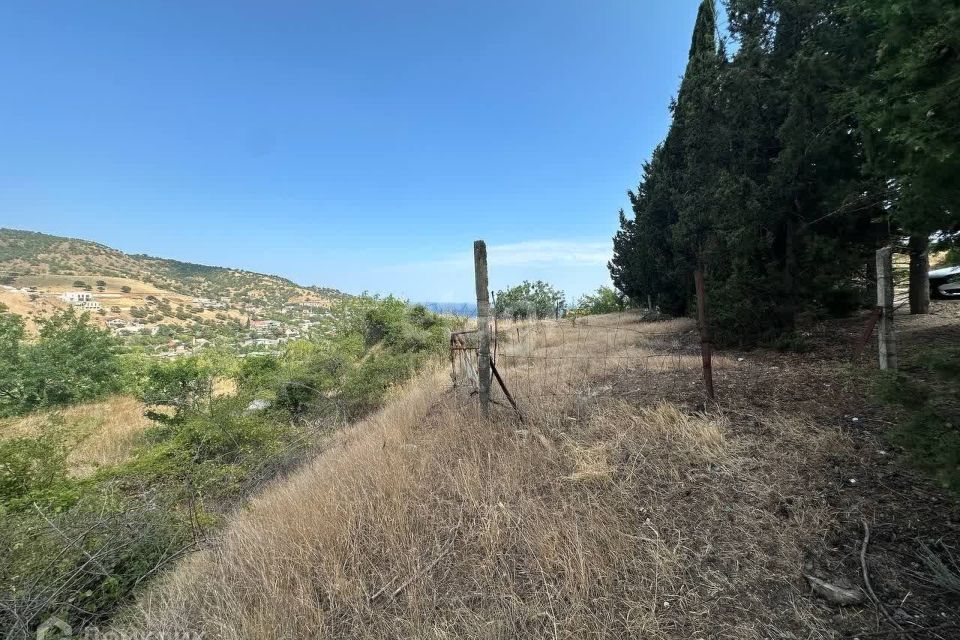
<point>842,301</point>
<point>604,300</point>
<point>930,429</point>
<point>792,341</point>
<point>529,300</point>
<point>897,388</point>
<point>185,384</point>
<point>932,440</point>
<point>366,386</point>
<point>71,361</point>
<point>82,563</point>
<point>33,471</point>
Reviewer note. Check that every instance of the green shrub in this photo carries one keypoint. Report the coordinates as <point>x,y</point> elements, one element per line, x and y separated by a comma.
<point>82,563</point>
<point>604,300</point>
<point>932,440</point>
<point>898,388</point>
<point>792,341</point>
<point>33,470</point>
<point>930,430</point>
<point>841,301</point>
<point>944,362</point>
<point>182,383</point>
<point>257,372</point>
<point>365,387</point>
<point>529,300</point>
<point>71,361</point>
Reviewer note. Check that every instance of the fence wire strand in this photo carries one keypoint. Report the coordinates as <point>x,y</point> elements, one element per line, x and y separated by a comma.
<point>615,355</point>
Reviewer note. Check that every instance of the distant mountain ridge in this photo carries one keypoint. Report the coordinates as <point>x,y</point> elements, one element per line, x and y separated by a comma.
<point>29,253</point>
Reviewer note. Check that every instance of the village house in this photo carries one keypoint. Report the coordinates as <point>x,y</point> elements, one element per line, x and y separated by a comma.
<point>80,299</point>
<point>75,297</point>
<point>265,325</point>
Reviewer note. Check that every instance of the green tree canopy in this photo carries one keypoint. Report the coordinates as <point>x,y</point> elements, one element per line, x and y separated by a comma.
<point>71,361</point>
<point>823,135</point>
<point>604,300</point>
<point>529,300</point>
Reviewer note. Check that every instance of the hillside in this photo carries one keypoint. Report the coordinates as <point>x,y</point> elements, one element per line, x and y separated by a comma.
<point>621,507</point>
<point>36,269</point>
<point>27,253</point>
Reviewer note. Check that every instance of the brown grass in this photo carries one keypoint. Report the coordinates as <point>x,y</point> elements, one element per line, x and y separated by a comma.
<point>595,518</point>
<point>100,433</point>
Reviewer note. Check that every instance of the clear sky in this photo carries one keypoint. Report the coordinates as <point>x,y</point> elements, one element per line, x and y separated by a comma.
<point>357,144</point>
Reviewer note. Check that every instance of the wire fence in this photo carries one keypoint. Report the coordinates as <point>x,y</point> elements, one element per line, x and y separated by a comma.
<point>543,362</point>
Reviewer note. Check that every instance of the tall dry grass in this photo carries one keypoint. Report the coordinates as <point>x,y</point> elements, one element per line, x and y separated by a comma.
<point>100,433</point>
<point>544,363</point>
<point>424,521</point>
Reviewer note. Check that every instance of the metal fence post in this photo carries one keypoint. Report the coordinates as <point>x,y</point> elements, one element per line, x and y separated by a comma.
<point>483,323</point>
<point>887,339</point>
<point>705,348</point>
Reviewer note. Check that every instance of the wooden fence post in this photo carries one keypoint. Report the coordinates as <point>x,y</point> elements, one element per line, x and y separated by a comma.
<point>483,323</point>
<point>705,347</point>
<point>887,339</point>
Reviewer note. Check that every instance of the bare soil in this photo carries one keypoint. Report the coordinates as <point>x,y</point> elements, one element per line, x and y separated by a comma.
<point>869,481</point>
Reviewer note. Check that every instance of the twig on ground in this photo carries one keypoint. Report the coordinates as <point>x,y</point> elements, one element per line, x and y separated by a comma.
<point>866,580</point>
<point>446,549</point>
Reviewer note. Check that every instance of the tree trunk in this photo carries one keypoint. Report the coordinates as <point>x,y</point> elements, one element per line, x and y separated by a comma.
<point>788,307</point>
<point>919,278</point>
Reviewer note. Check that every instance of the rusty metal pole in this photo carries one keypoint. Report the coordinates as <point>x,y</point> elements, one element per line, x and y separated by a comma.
<point>704,326</point>
<point>483,323</point>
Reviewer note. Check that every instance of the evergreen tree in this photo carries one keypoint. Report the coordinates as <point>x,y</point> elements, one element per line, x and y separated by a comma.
<point>759,180</point>
<point>910,102</point>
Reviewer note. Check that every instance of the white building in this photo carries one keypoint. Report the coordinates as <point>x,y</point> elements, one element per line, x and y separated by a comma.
<point>80,299</point>
<point>76,298</point>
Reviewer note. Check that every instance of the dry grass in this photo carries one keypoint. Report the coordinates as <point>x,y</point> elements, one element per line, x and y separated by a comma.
<point>596,518</point>
<point>547,362</point>
<point>100,433</point>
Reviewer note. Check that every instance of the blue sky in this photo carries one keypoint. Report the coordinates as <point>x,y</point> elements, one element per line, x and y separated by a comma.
<point>356,144</point>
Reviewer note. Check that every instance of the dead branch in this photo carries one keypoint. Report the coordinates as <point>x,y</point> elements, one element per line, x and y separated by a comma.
<point>833,593</point>
<point>866,579</point>
<point>447,547</point>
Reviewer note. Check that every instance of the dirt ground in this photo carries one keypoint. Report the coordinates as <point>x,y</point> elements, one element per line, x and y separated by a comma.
<point>866,481</point>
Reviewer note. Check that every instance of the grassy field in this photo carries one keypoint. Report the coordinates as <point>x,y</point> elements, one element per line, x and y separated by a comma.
<point>99,433</point>
<point>609,512</point>
<point>621,505</point>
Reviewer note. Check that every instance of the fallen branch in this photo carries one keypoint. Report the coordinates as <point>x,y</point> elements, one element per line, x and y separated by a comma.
<point>406,583</point>
<point>866,580</point>
<point>831,592</point>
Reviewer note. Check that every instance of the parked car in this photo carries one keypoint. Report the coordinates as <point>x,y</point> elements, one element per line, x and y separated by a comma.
<point>945,283</point>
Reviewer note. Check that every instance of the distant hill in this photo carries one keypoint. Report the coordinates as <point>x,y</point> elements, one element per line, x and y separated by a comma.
<point>27,253</point>
<point>130,285</point>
